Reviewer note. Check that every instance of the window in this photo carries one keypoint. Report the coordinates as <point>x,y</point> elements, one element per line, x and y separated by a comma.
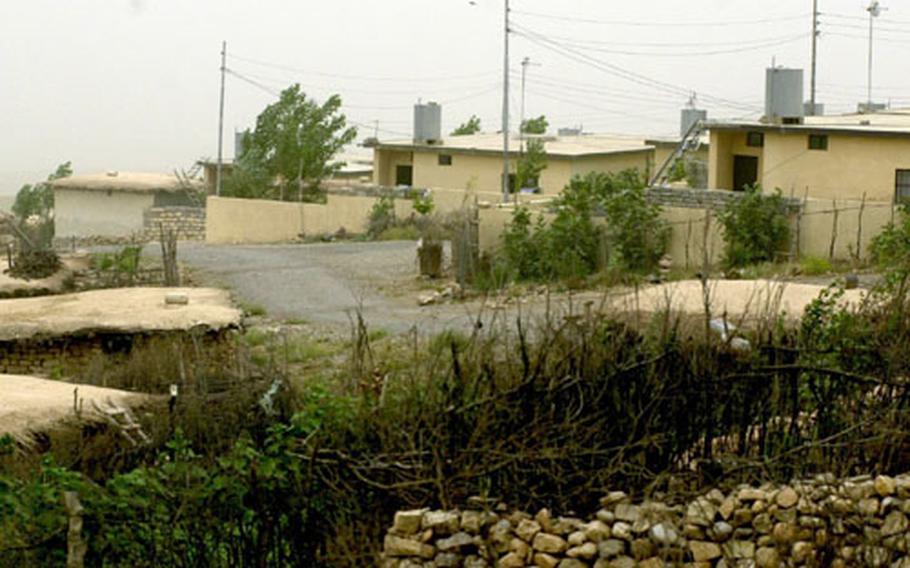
<point>755,139</point>
<point>445,159</point>
<point>902,186</point>
<point>818,142</point>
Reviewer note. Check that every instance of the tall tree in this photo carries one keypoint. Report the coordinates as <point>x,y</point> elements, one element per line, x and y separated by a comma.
<point>537,125</point>
<point>295,140</point>
<point>472,126</point>
<point>38,199</point>
<point>531,164</point>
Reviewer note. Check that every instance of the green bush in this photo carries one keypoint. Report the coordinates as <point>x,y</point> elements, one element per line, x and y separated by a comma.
<point>815,266</point>
<point>382,216</point>
<point>891,248</point>
<point>756,228</point>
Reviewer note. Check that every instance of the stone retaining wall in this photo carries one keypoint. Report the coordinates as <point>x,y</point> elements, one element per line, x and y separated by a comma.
<point>698,198</point>
<point>187,222</point>
<point>819,522</point>
<point>67,356</point>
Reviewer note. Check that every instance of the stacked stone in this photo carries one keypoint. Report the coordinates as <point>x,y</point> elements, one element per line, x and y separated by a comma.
<point>187,222</point>
<point>45,358</point>
<point>698,198</point>
<point>819,522</point>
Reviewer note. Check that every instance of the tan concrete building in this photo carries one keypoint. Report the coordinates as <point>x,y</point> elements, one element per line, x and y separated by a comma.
<point>475,162</point>
<point>113,204</point>
<point>824,157</point>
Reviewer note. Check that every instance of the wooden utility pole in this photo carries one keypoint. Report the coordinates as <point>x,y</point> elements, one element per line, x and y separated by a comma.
<point>812,91</point>
<point>505,110</point>
<point>218,174</point>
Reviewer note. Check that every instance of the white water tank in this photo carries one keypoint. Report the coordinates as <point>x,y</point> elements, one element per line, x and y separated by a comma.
<point>427,123</point>
<point>784,95</point>
<point>688,117</point>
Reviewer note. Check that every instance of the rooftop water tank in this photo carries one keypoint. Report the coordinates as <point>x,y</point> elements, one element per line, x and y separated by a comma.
<point>784,95</point>
<point>427,123</point>
<point>688,117</point>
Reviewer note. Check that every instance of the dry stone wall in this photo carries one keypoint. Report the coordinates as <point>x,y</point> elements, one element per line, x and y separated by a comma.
<point>819,522</point>
<point>687,198</point>
<point>187,222</point>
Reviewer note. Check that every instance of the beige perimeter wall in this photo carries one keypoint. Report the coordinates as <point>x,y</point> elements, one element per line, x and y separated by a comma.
<point>813,231</point>
<point>81,213</point>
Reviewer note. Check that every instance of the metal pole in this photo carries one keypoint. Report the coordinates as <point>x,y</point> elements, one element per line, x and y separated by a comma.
<point>218,178</point>
<point>812,98</point>
<point>869,80</point>
<point>521,121</point>
<point>505,110</point>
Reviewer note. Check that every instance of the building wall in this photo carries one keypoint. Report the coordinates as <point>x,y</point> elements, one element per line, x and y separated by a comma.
<point>384,164</point>
<point>724,146</point>
<point>80,213</point>
<point>851,166</point>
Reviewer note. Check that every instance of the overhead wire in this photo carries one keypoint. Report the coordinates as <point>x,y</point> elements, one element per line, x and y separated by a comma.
<point>634,23</point>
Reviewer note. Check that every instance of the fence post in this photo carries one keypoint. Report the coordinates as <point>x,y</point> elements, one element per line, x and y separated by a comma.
<point>75,545</point>
<point>834,229</point>
<point>859,230</point>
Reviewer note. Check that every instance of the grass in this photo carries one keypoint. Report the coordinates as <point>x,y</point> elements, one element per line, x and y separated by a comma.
<point>401,233</point>
<point>253,310</point>
<point>815,266</point>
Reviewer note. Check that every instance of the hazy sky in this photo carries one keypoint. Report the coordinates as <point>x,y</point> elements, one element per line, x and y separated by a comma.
<point>133,84</point>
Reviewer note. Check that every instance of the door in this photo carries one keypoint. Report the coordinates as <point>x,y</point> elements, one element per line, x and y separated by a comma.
<point>404,176</point>
<point>745,172</point>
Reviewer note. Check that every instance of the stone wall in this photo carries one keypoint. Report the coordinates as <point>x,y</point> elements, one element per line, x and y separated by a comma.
<point>818,522</point>
<point>187,222</point>
<point>71,355</point>
<point>697,198</point>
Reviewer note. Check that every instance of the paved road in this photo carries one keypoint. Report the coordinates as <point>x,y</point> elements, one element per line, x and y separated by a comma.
<point>325,283</point>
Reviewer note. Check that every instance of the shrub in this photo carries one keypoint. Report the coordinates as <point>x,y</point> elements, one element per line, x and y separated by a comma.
<point>382,216</point>
<point>815,266</point>
<point>891,248</point>
<point>755,227</point>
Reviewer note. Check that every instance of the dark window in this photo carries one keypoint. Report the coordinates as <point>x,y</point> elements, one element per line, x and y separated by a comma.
<point>404,176</point>
<point>818,142</point>
<point>513,183</point>
<point>755,139</point>
<point>445,159</point>
<point>902,186</point>
<point>745,172</point>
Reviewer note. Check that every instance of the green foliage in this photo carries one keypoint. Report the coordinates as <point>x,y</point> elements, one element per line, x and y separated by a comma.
<point>250,179</point>
<point>38,199</point>
<point>382,216</point>
<point>472,126</point>
<point>890,249</point>
<point>677,171</point>
<point>572,246</point>
<point>125,261</point>
<point>399,233</point>
<point>293,144</point>
<point>424,204</point>
<point>537,125</point>
<point>531,164</point>
<point>815,266</point>
<point>755,227</point>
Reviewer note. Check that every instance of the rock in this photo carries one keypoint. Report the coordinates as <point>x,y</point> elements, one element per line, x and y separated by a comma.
<point>511,560</point>
<point>472,521</point>
<point>622,531</point>
<point>622,562</point>
<point>597,531</point>
<point>885,486</point>
<point>642,548</point>
<point>627,513</point>
<point>895,523</point>
<point>565,525</point>
<point>549,543</point>
<point>763,523</point>
<point>605,516</point>
<point>520,547</point>
<point>544,519</point>
<point>750,494</point>
<point>701,512</point>
<point>577,538</point>
<point>586,551</point>
<point>527,530</point>
<point>542,560</point>
<point>442,522</point>
<point>572,563</point>
<point>868,507</point>
<point>858,490</point>
<point>663,535</point>
<point>501,535</point>
<point>651,563</point>
<point>739,549</point>
<point>721,531</point>
<point>398,547</point>
<point>447,560</point>
<point>455,542</point>
<point>784,533</point>
<point>802,551</point>
<point>613,498</point>
<point>407,523</point>
<point>475,562</point>
<point>704,551</point>
<point>726,508</point>
<point>786,498</point>
<point>610,548</point>
<point>767,557</point>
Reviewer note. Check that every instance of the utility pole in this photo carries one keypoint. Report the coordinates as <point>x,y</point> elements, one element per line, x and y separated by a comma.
<point>812,96</point>
<point>505,109</point>
<point>875,10</point>
<point>525,63</point>
<point>218,172</point>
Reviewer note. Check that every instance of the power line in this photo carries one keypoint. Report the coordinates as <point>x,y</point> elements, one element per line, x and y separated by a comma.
<point>551,16</point>
<point>630,76</point>
<point>400,79</point>
<point>737,42</point>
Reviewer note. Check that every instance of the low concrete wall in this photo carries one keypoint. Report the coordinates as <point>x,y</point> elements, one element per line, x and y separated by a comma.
<point>187,222</point>
<point>238,221</point>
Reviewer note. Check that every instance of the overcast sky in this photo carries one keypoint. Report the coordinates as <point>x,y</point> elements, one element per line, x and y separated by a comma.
<point>133,84</point>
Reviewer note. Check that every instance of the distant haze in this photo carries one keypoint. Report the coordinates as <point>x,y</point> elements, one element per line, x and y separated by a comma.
<point>133,84</point>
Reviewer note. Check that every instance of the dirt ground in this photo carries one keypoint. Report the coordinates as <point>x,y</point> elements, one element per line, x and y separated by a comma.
<point>30,404</point>
<point>122,310</point>
<point>54,284</point>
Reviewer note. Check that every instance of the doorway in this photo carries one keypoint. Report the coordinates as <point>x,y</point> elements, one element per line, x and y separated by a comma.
<point>404,176</point>
<point>745,172</point>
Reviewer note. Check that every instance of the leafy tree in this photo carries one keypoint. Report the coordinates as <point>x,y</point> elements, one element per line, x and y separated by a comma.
<point>38,199</point>
<point>472,126</point>
<point>756,227</point>
<point>537,125</point>
<point>891,248</point>
<point>294,142</point>
<point>531,164</point>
